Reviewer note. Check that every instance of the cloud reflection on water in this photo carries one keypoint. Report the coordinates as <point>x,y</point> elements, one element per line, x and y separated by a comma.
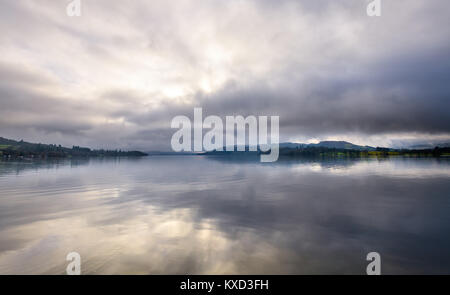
<point>194,215</point>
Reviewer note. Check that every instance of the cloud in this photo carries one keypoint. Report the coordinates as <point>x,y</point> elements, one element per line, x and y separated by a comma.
<point>117,75</point>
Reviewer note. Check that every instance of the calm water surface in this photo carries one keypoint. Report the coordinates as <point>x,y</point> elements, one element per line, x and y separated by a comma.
<point>199,215</point>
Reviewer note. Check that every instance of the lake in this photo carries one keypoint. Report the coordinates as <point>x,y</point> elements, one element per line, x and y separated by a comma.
<point>217,215</point>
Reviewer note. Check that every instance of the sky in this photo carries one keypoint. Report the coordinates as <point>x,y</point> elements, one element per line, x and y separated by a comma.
<point>115,76</point>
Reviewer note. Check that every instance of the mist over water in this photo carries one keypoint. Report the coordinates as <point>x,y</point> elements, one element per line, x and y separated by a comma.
<point>217,215</point>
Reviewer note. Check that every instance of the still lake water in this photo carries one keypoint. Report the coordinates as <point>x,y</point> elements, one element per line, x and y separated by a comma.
<point>205,215</point>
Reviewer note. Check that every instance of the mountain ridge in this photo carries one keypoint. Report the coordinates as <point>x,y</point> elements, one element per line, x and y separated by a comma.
<point>337,144</point>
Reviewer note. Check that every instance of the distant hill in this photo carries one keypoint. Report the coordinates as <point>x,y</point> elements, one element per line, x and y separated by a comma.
<point>21,149</point>
<point>342,149</point>
<point>343,145</point>
<point>323,144</point>
<point>328,144</point>
<point>429,145</point>
<point>292,145</point>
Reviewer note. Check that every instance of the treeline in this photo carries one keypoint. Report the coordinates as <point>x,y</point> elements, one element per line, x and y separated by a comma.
<point>330,152</point>
<point>21,149</point>
<point>378,152</point>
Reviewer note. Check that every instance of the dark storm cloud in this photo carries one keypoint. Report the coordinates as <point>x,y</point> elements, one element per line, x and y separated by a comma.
<point>408,93</point>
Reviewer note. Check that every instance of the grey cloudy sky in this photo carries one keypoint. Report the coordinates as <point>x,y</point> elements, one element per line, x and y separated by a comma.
<point>117,75</point>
